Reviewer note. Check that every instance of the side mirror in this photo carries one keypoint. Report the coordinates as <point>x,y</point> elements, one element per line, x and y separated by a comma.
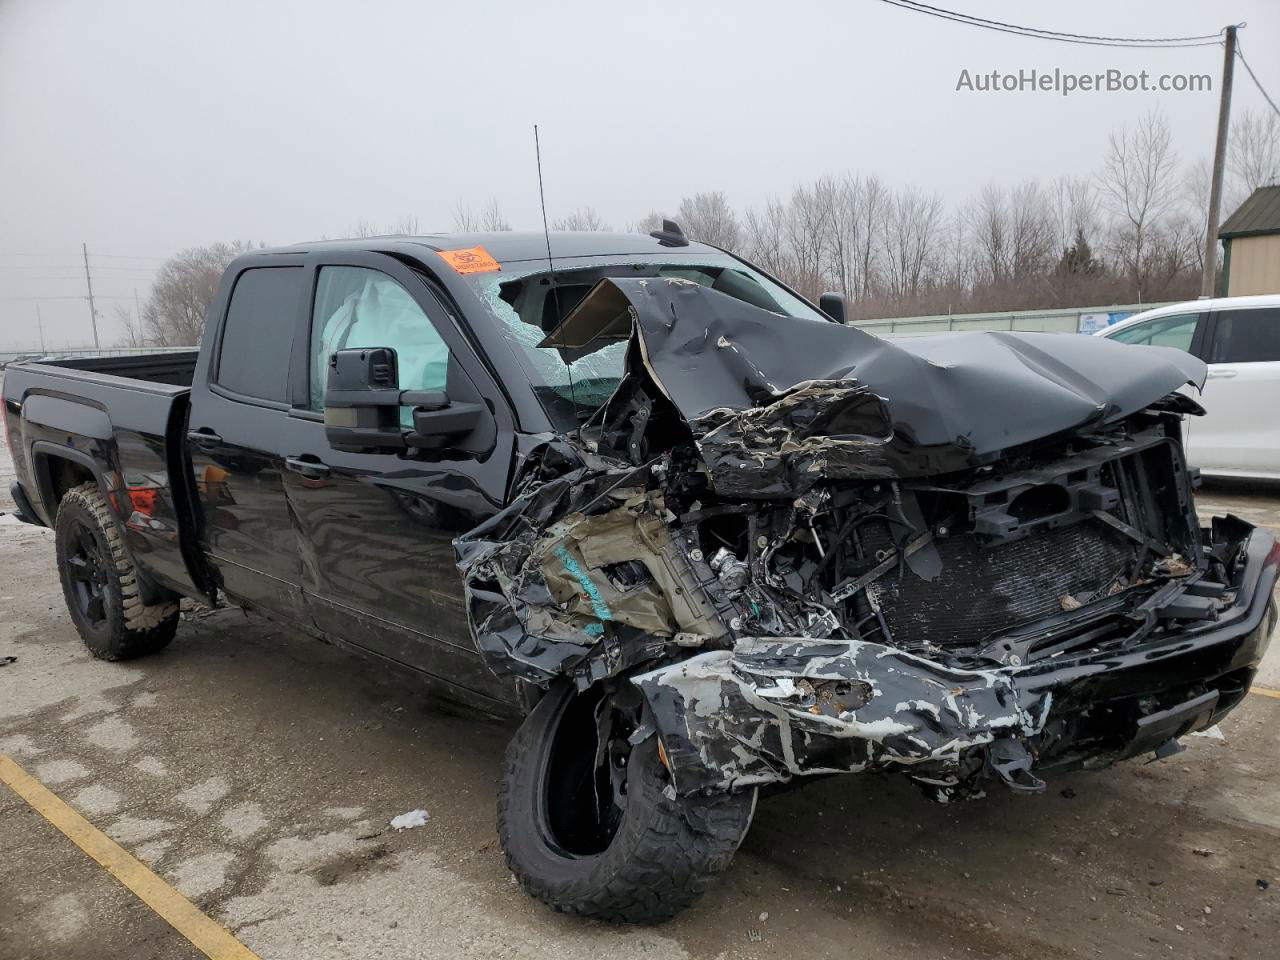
<point>437,419</point>
<point>832,304</point>
<point>363,401</point>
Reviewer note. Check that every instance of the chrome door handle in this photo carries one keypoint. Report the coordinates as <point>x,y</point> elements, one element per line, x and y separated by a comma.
<point>204,438</point>
<point>1222,374</point>
<point>311,469</point>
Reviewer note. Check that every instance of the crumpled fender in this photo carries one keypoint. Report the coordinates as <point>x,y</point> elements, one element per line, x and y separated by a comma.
<point>772,709</point>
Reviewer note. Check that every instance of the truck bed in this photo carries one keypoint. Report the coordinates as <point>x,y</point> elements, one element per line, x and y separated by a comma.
<point>176,368</point>
<point>120,422</point>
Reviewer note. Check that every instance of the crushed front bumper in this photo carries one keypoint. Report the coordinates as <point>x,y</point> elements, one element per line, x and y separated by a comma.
<point>772,709</point>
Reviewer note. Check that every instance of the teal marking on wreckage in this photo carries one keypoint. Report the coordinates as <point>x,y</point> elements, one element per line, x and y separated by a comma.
<point>598,606</point>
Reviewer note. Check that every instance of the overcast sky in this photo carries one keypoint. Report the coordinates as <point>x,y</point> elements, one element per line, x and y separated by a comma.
<point>144,126</point>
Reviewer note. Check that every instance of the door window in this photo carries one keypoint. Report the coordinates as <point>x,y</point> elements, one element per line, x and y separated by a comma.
<point>1176,331</point>
<point>258,333</point>
<point>359,307</point>
<point>1246,336</point>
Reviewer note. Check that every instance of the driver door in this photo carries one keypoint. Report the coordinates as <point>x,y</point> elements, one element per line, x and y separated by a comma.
<point>376,529</point>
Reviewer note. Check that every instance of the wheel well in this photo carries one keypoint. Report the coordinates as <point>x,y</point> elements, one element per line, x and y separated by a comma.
<point>59,475</point>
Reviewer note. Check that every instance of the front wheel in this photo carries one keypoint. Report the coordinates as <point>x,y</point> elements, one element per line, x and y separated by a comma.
<point>590,823</point>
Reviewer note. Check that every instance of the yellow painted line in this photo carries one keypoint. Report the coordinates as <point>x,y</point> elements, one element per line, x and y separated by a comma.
<point>208,936</point>
<point>1264,692</point>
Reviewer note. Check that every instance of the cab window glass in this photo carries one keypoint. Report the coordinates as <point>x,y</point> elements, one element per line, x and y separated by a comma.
<point>257,335</point>
<point>1176,331</point>
<point>359,307</point>
<point>1247,336</point>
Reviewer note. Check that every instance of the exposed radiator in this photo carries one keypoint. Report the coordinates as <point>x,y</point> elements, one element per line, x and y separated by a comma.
<point>985,589</point>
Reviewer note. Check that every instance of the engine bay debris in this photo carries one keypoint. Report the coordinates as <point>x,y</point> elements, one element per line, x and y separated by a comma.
<point>817,551</point>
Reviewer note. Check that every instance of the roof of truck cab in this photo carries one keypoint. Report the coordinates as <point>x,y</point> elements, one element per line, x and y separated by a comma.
<point>511,246</point>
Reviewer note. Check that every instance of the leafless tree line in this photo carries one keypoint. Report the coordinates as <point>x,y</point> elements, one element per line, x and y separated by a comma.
<point>1132,231</point>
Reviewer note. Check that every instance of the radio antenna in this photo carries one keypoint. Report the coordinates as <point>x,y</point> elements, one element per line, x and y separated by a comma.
<point>542,196</point>
<point>551,269</point>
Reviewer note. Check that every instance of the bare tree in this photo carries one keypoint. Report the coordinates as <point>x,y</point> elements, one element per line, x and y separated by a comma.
<point>955,270</point>
<point>1190,220</point>
<point>132,325</point>
<point>1074,207</point>
<point>181,293</point>
<point>910,240</point>
<point>989,227</point>
<point>843,197</point>
<point>1139,183</point>
<point>465,219</point>
<point>807,229</point>
<point>1253,157</point>
<point>765,239</point>
<point>873,211</point>
<point>493,218</point>
<point>407,224</point>
<point>1031,225</point>
<point>584,218</point>
<point>709,218</point>
<point>650,222</point>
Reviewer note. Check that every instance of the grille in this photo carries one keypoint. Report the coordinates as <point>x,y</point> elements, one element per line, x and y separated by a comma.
<point>983,590</point>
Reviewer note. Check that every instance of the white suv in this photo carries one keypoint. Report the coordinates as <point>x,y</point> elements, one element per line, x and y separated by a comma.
<point>1239,338</point>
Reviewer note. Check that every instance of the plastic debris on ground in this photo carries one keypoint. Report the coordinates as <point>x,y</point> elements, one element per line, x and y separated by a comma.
<point>1213,733</point>
<point>407,821</point>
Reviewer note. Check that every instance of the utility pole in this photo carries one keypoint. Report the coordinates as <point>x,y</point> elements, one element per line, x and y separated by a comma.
<point>1209,281</point>
<point>40,326</point>
<point>93,313</point>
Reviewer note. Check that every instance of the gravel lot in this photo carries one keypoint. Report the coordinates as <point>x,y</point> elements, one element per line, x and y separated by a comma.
<point>256,770</point>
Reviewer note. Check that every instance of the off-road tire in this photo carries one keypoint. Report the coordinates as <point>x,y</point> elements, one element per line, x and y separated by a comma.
<point>666,852</point>
<point>128,627</point>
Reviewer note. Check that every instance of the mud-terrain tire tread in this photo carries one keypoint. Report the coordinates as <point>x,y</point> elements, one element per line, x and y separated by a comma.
<point>136,629</point>
<point>666,854</point>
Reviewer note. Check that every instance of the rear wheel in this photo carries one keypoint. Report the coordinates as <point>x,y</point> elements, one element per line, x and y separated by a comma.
<point>100,584</point>
<point>590,823</point>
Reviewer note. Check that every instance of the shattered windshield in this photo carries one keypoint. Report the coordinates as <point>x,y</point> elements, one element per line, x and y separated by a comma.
<point>529,302</point>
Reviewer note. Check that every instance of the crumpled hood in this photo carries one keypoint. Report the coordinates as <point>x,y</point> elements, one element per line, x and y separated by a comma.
<point>967,396</point>
<point>1001,389</point>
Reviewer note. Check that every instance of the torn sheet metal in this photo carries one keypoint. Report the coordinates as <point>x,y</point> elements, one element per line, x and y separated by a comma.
<point>586,595</point>
<point>771,709</point>
<point>816,551</point>
<point>951,401</point>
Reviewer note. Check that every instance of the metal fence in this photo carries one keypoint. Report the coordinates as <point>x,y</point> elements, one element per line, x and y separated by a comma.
<point>1062,320</point>
<point>66,353</point>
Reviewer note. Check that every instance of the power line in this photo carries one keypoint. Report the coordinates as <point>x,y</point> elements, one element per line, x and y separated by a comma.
<point>80,279</point>
<point>96,296</point>
<point>1202,40</point>
<point>1256,82</point>
<point>128,256</point>
<point>76,257</point>
<point>28,274</point>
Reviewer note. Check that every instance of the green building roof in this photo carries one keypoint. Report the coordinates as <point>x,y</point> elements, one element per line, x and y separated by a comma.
<point>1258,215</point>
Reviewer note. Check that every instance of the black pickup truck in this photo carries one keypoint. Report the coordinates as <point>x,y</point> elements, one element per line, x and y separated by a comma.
<point>702,535</point>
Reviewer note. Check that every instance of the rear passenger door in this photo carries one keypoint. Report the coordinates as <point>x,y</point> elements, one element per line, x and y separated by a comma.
<point>235,438</point>
<point>377,528</point>
<point>1240,433</point>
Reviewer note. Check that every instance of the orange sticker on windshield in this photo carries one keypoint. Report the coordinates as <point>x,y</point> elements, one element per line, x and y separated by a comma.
<point>471,260</point>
